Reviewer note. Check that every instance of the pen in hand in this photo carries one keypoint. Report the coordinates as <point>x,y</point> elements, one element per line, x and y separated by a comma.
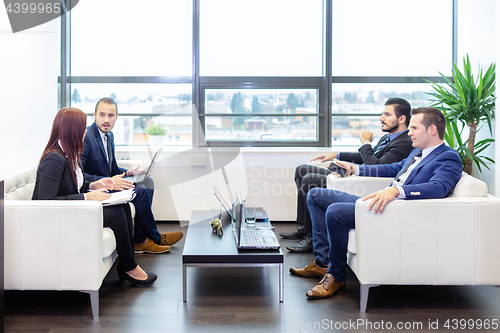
<point>98,194</point>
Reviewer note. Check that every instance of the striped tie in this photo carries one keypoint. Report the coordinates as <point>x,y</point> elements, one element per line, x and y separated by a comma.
<point>109,149</point>
<point>383,144</point>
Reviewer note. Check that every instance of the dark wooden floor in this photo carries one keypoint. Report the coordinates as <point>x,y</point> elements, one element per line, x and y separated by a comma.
<point>243,300</point>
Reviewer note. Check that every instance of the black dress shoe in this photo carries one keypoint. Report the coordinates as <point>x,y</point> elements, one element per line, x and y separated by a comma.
<point>298,233</point>
<point>139,283</point>
<point>305,246</point>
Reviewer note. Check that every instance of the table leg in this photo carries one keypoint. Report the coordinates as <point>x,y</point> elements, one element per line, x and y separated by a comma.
<point>281,282</point>
<point>184,292</point>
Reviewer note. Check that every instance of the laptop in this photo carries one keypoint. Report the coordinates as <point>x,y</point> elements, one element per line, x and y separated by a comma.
<point>251,239</point>
<point>260,213</point>
<point>140,178</point>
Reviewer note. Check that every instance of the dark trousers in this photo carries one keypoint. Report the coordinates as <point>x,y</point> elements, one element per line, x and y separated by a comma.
<point>145,224</point>
<point>307,177</point>
<point>332,215</point>
<point>119,219</point>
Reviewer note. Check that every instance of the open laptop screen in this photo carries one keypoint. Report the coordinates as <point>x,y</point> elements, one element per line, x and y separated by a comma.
<point>238,217</point>
<point>141,178</point>
<point>222,201</point>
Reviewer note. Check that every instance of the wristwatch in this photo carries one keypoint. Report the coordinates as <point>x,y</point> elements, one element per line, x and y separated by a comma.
<point>367,142</point>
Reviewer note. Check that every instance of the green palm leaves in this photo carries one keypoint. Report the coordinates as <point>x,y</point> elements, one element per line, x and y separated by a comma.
<point>466,101</point>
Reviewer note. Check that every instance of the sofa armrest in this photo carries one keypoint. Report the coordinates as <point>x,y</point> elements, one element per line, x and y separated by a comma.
<point>440,241</point>
<point>360,186</point>
<point>53,244</point>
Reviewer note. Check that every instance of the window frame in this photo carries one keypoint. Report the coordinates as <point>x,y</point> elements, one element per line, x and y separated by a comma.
<point>315,83</point>
<point>323,84</point>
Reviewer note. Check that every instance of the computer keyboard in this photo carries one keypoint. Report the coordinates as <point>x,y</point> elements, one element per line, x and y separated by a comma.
<point>254,238</point>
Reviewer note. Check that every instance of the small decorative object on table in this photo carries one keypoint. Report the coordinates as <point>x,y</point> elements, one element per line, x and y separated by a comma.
<point>217,227</point>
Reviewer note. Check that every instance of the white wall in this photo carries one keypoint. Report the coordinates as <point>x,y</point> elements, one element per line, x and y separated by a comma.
<point>28,91</point>
<point>477,31</point>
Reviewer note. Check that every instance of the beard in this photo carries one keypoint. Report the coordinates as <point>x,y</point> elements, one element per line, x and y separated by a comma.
<point>390,129</point>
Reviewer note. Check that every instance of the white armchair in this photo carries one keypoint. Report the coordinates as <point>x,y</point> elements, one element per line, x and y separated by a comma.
<point>54,245</point>
<point>451,241</point>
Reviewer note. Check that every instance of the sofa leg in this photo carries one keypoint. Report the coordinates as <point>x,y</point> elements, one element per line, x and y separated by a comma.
<point>94,301</point>
<point>365,288</point>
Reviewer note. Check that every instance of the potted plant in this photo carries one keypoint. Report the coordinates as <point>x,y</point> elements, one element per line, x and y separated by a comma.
<point>156,133</point>
<point>466,101</point>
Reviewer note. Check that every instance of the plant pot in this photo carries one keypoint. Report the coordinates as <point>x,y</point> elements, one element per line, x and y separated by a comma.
<point>155,142</point>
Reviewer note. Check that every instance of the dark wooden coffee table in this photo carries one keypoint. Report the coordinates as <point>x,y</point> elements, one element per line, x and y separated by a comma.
<point>202,248</point>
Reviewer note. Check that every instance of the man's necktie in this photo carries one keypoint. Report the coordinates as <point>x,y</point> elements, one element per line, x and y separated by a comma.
<point>405,167</point>
<point>109,149</point>
<point>383,144</point>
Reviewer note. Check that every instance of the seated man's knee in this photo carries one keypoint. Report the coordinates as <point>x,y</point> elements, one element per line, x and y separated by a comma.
<point>301,171</point>
<point>140,191</point>
<point>312,180</point>
<point>312,195</point>
<point>340,213</point>
<point>148,183</point>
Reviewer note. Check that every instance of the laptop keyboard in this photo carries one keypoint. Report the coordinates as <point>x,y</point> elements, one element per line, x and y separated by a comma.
<point>254,238</point>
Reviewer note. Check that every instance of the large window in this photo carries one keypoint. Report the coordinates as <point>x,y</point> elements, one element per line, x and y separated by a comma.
<point>261,114</point>
<point>140,105</point>
<point>130,38</point>
<point>356,107</point>
<point>261,38</point>
<point>253,72</point>
<point>392,38</point>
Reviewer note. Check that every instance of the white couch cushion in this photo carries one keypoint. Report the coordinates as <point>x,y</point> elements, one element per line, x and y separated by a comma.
<point>469,186</point>
<point>19,183</point>
<point>109,242</point>
<point>351,243</point>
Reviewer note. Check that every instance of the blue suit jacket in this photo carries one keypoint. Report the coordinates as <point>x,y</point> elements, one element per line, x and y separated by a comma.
<point>434,177</point>
<point>94,162</point>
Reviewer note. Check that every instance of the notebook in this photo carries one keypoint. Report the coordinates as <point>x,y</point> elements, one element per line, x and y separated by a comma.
<point>251,239</point>
<point>260,213</point>
<point>140,178</point>
<point>119,197</point>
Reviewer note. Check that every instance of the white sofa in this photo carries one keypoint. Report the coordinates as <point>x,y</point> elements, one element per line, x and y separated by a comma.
<point>451,241</point>
<point>54,245</point>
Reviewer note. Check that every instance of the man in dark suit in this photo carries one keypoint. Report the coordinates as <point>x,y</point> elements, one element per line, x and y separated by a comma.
<point>98,161</point>
<point>431,171</point>
<point>392,147</point>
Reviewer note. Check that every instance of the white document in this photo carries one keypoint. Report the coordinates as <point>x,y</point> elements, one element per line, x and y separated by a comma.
<point>119,197</point>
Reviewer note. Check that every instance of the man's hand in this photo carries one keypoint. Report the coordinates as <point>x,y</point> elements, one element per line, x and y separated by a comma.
<point>381,198</point>
<point>121,184</point>
<point>366,136</point>
<point>325,157</point>
<point>350,169</point>
<point>135,171</point>
<point>97,195</point>
<point>105,183</point>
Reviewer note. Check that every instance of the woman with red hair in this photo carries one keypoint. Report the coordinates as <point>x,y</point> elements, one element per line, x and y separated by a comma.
<point>60,177</point>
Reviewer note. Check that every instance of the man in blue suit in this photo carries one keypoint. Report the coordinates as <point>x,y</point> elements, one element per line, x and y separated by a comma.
<point>99,161</point>
<point>431,171</point>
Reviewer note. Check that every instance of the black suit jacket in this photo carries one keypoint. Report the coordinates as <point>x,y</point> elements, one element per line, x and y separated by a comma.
<point>395,151</point>
<point>94,161</point>
<point>54,180</point>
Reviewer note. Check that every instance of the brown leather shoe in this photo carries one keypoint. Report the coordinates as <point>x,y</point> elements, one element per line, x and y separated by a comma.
<point>327,287</point>
<point>170,238</point>
<point>311,270</point>
<point>148,246</point>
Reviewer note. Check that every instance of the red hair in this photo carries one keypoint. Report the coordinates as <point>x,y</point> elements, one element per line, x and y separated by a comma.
<point>68,128</point>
